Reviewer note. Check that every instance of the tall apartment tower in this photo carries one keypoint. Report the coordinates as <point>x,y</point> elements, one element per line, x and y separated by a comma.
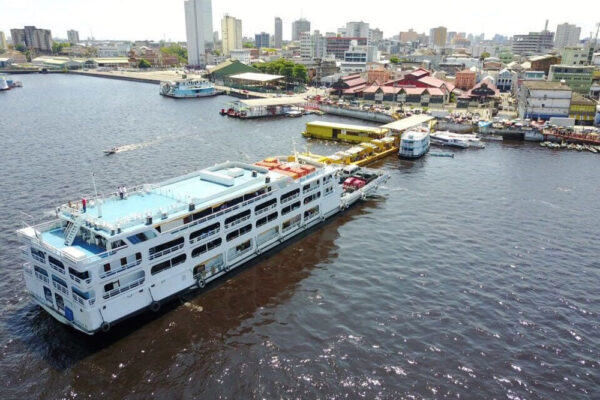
<point>231,33</point>
<point>437,36</point>
<point>33,38</point>
<point>566,35</point>
<point>278,33</point>
<point>198,30</point>
<point>73,36</point>
<point>299,26</point>
<point>3,44</point>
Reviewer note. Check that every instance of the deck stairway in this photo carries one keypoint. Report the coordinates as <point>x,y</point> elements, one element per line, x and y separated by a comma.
<point>71,231</point>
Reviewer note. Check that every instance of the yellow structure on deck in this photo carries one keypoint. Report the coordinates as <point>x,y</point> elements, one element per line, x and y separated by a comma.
<point>362,154</point>
<point>343,132</point>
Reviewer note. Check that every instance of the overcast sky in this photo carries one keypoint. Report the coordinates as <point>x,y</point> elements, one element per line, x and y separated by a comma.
<point>164,19</point>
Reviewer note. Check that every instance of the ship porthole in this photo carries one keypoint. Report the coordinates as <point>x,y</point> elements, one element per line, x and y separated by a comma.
<point>201,283</point>
<point>105,326</point>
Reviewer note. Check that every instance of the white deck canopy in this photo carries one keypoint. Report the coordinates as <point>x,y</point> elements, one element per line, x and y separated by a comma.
<point>409,122</point>
<point>273,101</point>
<point>256,77</point>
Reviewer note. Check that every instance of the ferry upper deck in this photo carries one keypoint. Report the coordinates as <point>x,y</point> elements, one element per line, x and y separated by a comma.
<point>212,189</point>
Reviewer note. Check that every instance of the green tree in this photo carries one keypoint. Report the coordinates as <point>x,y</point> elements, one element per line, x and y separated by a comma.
<point>144,63</point>
<point>20,47</point>
<point>394,60</point>
<point>248,45</point>
<point>262,67</point>
<point>58,47</point>
<point>176,50</point>
<point>300,74</point>
<point>484,55</point>
<point>216,52</point>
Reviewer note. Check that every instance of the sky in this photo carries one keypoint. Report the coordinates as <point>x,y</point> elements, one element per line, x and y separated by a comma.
<point>164,19</point>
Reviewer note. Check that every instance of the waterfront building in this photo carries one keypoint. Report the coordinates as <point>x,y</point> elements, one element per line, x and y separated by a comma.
<point>582,110</point>
<point>278,37</point>
<point>484,92</point>
<point>533,43</point>
<point>221,72</point>
<point>3,44</point>
<point>437,36</point>
<point>465,79</point>
<point>299,26</point>
<point>73,36</point>
<point>261,40</point>
<point>573,55</point>
<point>577,77</point>
<point>338,45</point>
<point>566,35</point>
<point>33,38</point>
<point>231,33</point>
<point>5,62</point>
<point>544,100</point>
<point>198,29</point>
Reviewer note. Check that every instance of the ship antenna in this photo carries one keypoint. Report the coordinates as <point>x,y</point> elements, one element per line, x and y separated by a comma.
<point>96,192</point>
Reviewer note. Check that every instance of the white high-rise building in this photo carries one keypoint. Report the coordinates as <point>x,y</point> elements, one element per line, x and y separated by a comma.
<point>312,46</point>
<point>73,36</point>
<point>278,33</point>
<point>231,33</point>
<point>566,35</point>
<point>198,29</point>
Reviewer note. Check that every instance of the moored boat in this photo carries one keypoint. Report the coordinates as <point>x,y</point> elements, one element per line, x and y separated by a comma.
<point>188,88</point>
<point>414,144</point>
<point>104,260</point>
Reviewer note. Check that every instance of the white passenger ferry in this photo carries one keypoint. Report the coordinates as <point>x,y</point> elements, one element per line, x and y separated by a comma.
<point>414,144</point>
<point>188,88</point>
<point>92,267</point>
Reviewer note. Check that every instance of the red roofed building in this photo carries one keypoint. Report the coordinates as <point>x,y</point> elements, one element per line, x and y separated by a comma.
<point>484,92</point>
<point>351,85</point>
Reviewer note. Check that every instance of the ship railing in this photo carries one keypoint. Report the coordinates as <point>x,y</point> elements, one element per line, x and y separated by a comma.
<point>41,277</point>
<point>79,280</point>
<point>241,252</point>
<point>205,235</point>
<point>83,301</point>
<point>264,210</point>
<point>63,289</point>
<point>288,199</point>
<point>121,269</point>
<point>166,251</point>
<point>38,258</point>
<point>290,227</point>
<point>57,268</point>
<point>311,189</point>
<point>237,222</point>
<point>218,214</point>
<point>119,290</point>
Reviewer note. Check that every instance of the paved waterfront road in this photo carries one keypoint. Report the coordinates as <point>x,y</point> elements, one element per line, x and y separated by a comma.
<point>473,277</point>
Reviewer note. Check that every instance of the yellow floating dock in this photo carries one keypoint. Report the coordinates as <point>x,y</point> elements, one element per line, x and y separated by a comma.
<point>343,132</point>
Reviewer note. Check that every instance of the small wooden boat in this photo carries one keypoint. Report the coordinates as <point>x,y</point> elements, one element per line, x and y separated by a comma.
<point>441,154</point>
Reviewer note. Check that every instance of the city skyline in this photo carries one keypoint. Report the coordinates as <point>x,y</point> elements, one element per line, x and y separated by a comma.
<point>160,20</point>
